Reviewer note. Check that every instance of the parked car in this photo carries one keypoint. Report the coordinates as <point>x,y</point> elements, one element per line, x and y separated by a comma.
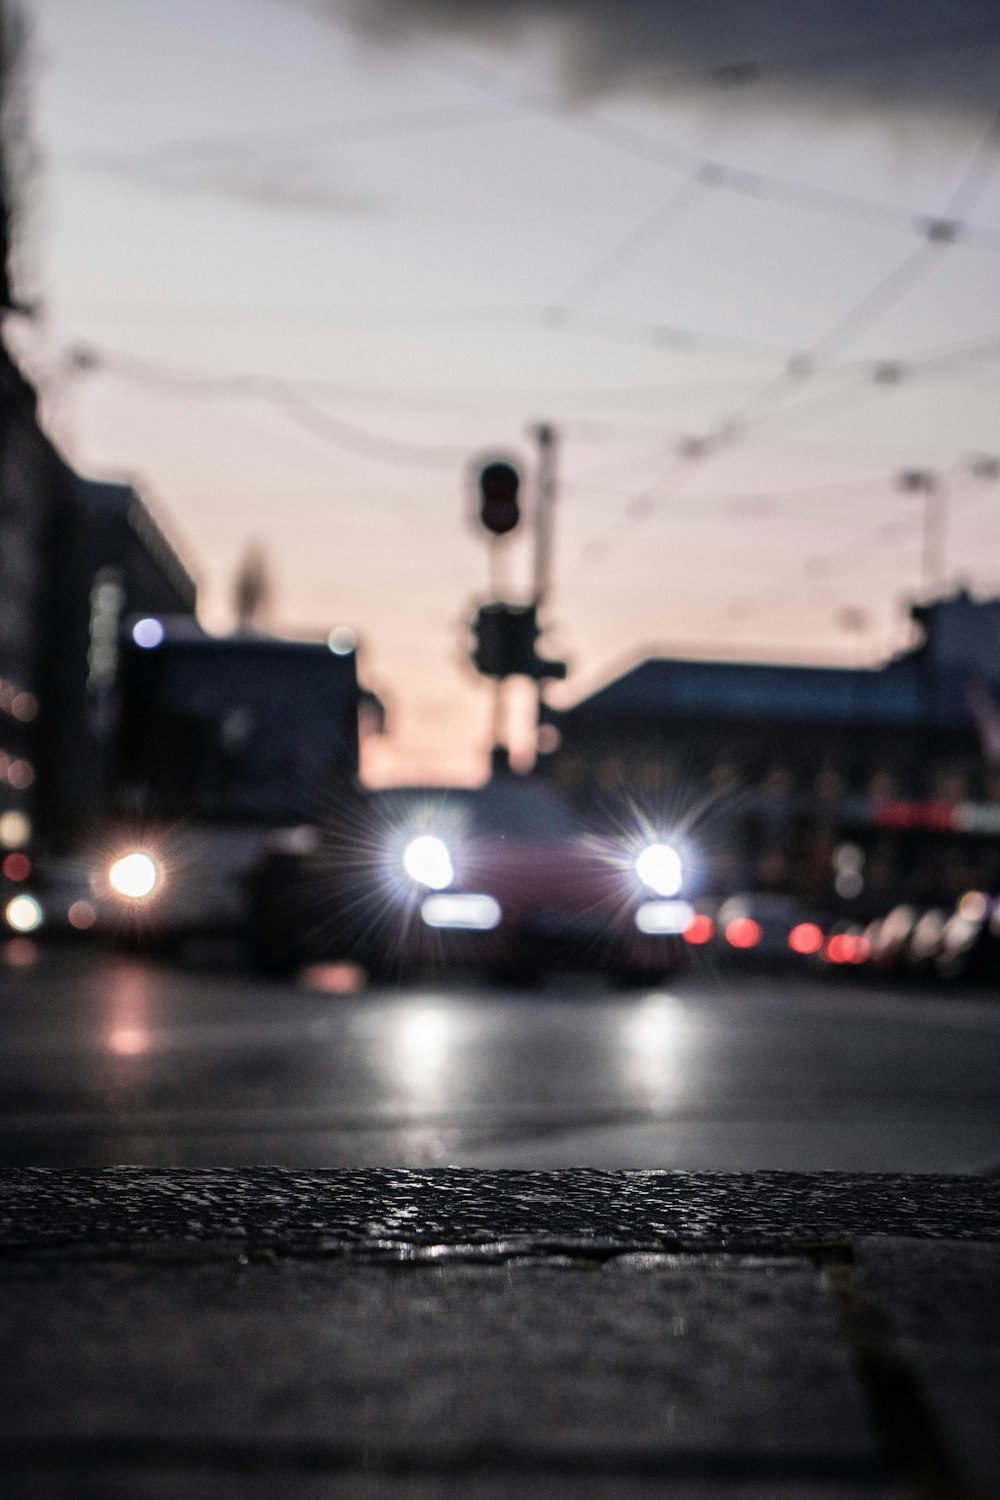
<point>503,876</point>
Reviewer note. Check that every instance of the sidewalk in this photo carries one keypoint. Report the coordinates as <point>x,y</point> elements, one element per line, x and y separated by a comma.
<point>451,1333</point>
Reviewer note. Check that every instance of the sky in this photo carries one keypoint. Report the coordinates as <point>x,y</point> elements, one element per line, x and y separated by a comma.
<point>323,258</point>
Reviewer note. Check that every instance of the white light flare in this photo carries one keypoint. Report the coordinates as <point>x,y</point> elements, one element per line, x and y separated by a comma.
<point>659,867</point>
<point>427,861</point>
<point>653,1038</point>
<point>422,1044</point>
<point>663,918</point>
<point>129,1000</point>
<point>134,876</point>
<point>468,913</point>
<point>23,914</point>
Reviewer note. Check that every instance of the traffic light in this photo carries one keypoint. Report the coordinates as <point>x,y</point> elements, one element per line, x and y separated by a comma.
<point>505,637</point>
<point>499,483</point>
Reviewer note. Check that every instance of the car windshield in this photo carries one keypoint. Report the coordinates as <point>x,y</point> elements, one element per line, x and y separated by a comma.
<point>506,808</point>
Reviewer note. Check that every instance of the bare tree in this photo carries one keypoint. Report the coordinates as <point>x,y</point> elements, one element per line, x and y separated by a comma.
<point>252,590</point>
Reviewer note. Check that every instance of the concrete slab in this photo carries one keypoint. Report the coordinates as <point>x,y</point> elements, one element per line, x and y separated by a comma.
<point>943,1303</point>
<point>532,1335</point>
<point>183,1482</point>
<point>436,1366</point>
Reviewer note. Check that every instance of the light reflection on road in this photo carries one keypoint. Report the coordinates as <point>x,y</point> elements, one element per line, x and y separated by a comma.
<point>129,1002</point>
<point>419,1052</point>
<point>112,1060</point>
<point>652,1036</point>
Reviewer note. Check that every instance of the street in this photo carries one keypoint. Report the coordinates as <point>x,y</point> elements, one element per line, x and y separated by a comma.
<point>107,1060</point>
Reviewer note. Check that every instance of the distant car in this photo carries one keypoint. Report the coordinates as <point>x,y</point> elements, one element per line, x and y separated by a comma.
<point>924,945</point>
<point>503,876</point>
<point>968,940</point>
<point>769,925</point>
<point>170,884</point>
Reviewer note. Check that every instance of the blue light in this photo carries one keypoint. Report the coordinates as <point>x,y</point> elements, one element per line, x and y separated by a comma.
<point>148,633</point>
<point>342,640</point>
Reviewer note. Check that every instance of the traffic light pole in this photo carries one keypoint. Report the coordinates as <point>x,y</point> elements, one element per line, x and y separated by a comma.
<point>499,751</point>
<point>544,526</point>
<point>506,634</point>
<point>497,551</point>
<point>545,437</point>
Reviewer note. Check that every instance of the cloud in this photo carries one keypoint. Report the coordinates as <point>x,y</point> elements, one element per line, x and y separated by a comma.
<point>281,186</point>
<point>931,59</point>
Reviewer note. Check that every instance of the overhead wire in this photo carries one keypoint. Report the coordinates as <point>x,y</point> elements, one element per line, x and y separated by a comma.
<point>672,338</point>
<point>398,36</point>
<point>966,194</point>
<point>889,371</point>
<point>877,300</point>
<point>934,229</point>
<point>294,406</point>
<point>858,317</point>
<point>936,232</point>
<point>648,500</point>
<point>976,468</point>
<point>774,496</point>
<point>970,186</point>
<point>677,207</point>
<point>858,545</point>
<point>291,398</point>
<point>324,425</point>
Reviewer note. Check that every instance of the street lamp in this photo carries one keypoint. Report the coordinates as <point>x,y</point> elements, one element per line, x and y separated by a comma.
<point>983,468</point>
<point>929,484</point>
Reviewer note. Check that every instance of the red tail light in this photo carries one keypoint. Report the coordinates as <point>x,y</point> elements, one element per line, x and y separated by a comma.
<point>848,948</point>
<point>743,932</point>
<point>17,866</point>
<point>805,937</point>
<point>700,929</point>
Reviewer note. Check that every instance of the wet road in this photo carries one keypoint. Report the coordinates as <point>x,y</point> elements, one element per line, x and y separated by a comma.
<point>104,1060</point>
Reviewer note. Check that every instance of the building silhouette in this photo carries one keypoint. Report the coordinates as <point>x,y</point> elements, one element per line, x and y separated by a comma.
<point>848,786</point>
<point>76,556</point>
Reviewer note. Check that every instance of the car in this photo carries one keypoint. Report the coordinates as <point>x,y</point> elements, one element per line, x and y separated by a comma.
<point>503,876</point>
<point>769,926</point>
<point>967,945</point>
<point>155,890</point>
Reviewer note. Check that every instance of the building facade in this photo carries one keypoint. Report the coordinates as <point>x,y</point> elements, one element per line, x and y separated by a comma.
<point>108,559</point>
<point>76,557</point>
<point>849,787</point>
<point>35,488</point>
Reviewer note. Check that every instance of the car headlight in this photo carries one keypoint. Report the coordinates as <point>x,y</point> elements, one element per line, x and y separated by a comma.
<point>427,861</point>
<point>659,867</point>
<point>135,875</point>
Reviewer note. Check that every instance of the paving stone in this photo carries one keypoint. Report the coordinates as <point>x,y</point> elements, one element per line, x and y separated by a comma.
<point>331,1211</point>
<point>692,1365</point>
<point>943,1303</point>
<point>401,1335</point>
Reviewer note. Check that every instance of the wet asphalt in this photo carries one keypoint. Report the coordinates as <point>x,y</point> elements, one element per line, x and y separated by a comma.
<point>110,1060</point>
